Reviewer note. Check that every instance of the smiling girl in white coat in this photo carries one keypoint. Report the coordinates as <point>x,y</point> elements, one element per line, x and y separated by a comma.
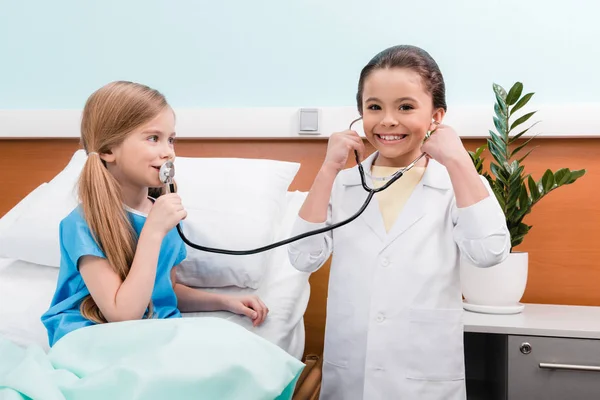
<point>394,310</point>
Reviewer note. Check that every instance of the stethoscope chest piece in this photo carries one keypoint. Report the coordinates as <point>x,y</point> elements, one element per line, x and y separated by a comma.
<point>167,172</point>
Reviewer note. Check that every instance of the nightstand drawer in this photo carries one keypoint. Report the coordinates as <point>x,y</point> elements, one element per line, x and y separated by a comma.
<point>553,368</point>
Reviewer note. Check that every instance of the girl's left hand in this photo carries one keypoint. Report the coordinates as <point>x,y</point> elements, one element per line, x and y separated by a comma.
<point>250,306</point>
<point>444,145</point>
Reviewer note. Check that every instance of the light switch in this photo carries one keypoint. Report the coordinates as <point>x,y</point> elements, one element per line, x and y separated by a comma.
<point>308,121</point>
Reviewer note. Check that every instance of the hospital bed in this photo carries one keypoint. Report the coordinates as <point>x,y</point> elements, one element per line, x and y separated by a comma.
<point>26,290</point>
<point>296,320</point>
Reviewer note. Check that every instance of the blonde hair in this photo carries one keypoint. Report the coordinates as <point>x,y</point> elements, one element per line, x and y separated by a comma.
<point>109,116</point>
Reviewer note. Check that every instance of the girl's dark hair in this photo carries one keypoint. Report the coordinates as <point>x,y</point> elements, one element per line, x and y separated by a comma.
<point>410,57</point>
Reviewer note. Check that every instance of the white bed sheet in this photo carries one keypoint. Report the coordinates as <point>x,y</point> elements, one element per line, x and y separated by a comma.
<point>26,291</point>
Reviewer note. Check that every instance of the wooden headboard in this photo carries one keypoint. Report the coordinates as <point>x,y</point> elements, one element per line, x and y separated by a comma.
<point>563,243</point>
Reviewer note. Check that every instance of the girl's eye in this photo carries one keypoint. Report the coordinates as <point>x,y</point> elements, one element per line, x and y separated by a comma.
<point>374,107</point>
<point>406,107</point>
<point>171,140</point>
<point>153,138</point>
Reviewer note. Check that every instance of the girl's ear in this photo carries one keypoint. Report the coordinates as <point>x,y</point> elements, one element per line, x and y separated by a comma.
<point>108,157</point>
<point>438,115</point>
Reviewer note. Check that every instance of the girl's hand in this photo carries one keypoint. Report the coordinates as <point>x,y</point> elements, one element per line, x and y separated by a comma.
<point>250,306</point>
<point>339,146</point>
<point>444,146</point>
<point>166,213</point>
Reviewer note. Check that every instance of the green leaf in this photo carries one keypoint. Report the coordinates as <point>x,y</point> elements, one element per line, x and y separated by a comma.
<point>548,181</point>
<point>533,189</point>
<point>526,154</point>
<point>515,242</point>
<point>515,168</point>
<point>513,197</point>
<point>519,229</point>
<point>514,183</point>
<point>562,176</point>
<point>500,92</point>
<point>522,228</point>
<point>524,100</point>
<point>518,148</point>
<point>500,144</point>
<point>522,213</point>
<point>499,112</point>
<point>496,152</point>
<point>522,119</point>
<point>576,175</point>
<point>515,178</point>
<point>499,187</point>
<point>477,161</point>
<point>499,196</point>
<point>498,172</point>
<point>500,126</point>
<point>523,198</point>
<point>474,157</point>
<point>480,150</point>
<point>525,203</point>
<point>479,167</point>
<point>502,105</point>
<point>518,135</point>
<point>517,234</point>
<point>514,93</point>
<point>496,135</point>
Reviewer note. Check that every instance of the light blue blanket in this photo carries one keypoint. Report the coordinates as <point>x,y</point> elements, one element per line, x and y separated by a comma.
<point>174,359</point>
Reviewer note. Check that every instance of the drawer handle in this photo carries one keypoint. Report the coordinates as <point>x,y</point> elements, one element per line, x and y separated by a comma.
<point>570,367</point>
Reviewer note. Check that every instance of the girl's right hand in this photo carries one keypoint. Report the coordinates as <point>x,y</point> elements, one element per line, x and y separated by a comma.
<point>167,211</point>
<point>339,146</point>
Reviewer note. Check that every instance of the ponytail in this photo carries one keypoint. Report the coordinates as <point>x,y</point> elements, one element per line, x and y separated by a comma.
<point>100,195</point>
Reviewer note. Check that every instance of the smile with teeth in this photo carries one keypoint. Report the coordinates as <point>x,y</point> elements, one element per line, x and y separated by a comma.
<point>390,138</point>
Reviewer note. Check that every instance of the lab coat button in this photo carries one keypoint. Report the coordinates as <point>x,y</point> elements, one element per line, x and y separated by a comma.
<point>380,318</point>
<point>385,262</point>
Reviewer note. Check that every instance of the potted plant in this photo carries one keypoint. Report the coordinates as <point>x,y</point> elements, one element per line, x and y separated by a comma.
<point>499,289</point>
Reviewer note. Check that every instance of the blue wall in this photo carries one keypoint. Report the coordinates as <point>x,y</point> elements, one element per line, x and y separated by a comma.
<point>241,53</point>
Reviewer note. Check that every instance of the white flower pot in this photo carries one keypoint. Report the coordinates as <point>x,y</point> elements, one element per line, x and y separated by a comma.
<point>497,289</point>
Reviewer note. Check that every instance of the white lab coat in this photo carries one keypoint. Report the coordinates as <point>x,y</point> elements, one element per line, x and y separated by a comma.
<point>394,310</point>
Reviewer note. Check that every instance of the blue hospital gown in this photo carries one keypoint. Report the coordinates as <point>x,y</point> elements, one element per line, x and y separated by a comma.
<point>76,241</point>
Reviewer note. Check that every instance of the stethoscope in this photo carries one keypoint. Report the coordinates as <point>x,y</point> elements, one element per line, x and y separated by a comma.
<point>167,173</point>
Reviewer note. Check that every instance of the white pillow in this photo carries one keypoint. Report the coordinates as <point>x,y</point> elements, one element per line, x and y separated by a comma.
<point>232,204</point>
<point>13,214</point>
<point>33,235</point>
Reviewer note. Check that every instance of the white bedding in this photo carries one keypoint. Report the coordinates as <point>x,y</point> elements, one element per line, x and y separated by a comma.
<point>26,291</point>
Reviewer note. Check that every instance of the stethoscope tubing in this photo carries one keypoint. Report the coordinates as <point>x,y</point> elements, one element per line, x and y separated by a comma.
<point>370,193</point>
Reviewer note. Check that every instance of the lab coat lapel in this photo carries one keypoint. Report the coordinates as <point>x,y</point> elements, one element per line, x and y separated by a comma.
<point>420,201</point>
<point>415,208</point>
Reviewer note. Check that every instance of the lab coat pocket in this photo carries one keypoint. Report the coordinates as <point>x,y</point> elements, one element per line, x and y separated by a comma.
<point>435,345</point>
<point>339,331</point>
